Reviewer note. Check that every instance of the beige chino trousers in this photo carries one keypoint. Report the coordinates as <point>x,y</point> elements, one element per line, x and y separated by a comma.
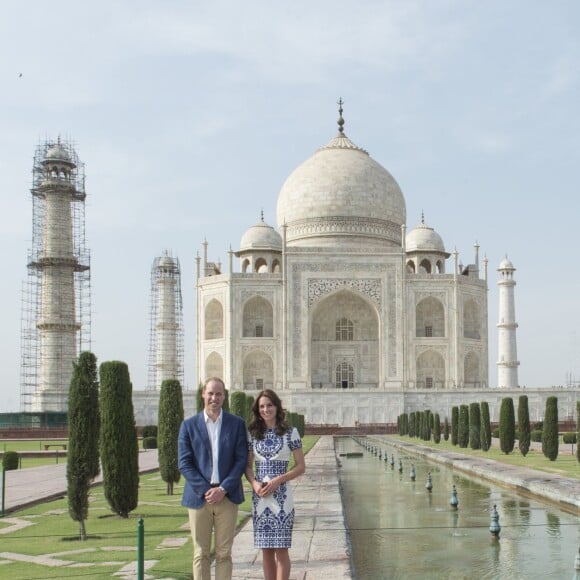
<point>220,518</point>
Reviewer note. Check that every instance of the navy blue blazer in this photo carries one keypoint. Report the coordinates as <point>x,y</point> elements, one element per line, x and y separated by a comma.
<point>195,459</point>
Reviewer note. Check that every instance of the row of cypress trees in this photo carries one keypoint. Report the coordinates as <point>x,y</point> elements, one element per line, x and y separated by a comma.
<point>470,426</point>
<point>102,432</point>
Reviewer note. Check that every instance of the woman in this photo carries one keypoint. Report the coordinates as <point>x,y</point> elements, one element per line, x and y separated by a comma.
<point>271,442</point>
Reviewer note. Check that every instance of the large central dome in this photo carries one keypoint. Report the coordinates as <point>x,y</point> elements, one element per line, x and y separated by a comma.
<point>341,196</point>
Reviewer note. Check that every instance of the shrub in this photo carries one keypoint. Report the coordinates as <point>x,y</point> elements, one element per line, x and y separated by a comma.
<point>550,438</point>
<point>199,402</point>
<point>485,427</point>
<point>10,460</point>
<point>249,405</point>
<point>536,435</point>
<point>454,424</point>
<point>446,429</point>
<point>578,430</point>
<point>149,431</point>
<point>507,425</point>
<point>412,425</point>
<point>150,442</point>
<point>463,426</point>
<point>118,439</point>
<point>474,426</point>
<point>170,419</point>
<point>427,425</point>
<point>495,432</point>
<point>569,438</point>
<point>436,429</point>
<point>83,437</point>
<point>523,425</point>
<point>238,404</point>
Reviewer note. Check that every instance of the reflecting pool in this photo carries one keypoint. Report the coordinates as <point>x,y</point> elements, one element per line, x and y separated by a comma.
<point>400,530</point>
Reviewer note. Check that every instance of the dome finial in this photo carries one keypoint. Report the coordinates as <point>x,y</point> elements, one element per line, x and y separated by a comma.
<point>262,215</point>
<point>422,218</point>
<point>340,121</point>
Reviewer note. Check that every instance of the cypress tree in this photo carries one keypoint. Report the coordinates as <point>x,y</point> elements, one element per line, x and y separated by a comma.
<point>428,424</point>
<point>83,437</point>
<point>118,439</point>
<point>524,425</point>
<point>170,419</point>
<point>485,438</point>
<point>578,431</point>
<point>446,429</point>
<point>436,428</point>
<point>463,427</point>
<point>454,425</point>
<point>238,404</point>
<point>474,426</point>
<point>550,440</point>
<point>199,399</point>
<point>507,425</point>
<point>412,424</point>
<point>249,405</point>
<point>405,424</point>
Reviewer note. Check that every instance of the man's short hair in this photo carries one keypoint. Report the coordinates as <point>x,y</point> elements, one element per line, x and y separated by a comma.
<point>217,380</point>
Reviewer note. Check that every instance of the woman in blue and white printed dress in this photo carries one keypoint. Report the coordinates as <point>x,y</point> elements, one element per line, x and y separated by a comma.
<point>272,441</point>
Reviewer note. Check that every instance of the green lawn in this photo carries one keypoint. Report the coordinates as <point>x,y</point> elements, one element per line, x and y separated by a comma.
<point>565,465</point>
<point>35,445</point>
<point>29,444</point>
<point>112,540</point>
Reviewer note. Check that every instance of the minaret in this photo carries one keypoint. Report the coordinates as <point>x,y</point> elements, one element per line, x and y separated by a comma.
<point>59,276</point>
<point>507,364</point>
<point>166,351</point>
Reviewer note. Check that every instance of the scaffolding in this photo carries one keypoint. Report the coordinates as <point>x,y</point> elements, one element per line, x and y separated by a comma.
<point>56,296</point>
<point>166,322</point>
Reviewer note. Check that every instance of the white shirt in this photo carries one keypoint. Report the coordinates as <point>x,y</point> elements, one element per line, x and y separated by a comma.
<point>213,432</point>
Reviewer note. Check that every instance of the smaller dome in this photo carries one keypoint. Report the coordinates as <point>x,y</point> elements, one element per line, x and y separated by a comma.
<point>57,152</point>
<point>424,239</point>
<point>506,264</point>
<point>261,237</point>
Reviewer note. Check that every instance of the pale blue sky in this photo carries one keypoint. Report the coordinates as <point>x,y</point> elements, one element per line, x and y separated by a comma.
<point>190,116</point>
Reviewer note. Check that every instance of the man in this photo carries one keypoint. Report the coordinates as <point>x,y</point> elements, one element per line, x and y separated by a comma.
<point>213,453</point>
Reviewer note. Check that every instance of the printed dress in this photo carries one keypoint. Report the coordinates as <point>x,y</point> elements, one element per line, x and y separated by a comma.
<point>273,515</point>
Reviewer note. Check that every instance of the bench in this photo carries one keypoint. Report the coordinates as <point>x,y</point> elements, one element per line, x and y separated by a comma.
<point>57,445</point>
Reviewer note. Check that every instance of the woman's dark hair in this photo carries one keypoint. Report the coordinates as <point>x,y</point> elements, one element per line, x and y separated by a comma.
<point>257,426</point>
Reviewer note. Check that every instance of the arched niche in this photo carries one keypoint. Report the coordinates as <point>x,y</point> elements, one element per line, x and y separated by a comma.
<point>214,320</point>
<point>258,318</point>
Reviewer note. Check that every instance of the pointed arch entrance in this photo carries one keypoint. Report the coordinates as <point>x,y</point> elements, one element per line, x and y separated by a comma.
<point>344,342</point>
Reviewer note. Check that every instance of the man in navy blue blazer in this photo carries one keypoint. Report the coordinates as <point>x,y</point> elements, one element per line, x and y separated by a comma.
<point>213,453</point>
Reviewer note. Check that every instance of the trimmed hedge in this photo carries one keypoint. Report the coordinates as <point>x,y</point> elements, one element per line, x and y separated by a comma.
<point>569,438</point>
<point>10,460</point>
<point>149,442</point>
<point>149,431</point>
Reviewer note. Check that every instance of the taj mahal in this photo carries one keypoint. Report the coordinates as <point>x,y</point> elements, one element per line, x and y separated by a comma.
<point>352,317</point>
<point>348,313</point>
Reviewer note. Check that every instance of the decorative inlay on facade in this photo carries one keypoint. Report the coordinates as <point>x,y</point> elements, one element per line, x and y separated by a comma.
<point>320,287</point>
<point>247,294</point>
<point>340,225</point>
<point>247,348</point>
<point>441,296</point>
<point>442,350</point>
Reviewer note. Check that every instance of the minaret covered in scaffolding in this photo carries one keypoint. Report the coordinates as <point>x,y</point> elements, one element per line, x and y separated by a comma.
<point>56,305</point>
<point>166,330</point>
